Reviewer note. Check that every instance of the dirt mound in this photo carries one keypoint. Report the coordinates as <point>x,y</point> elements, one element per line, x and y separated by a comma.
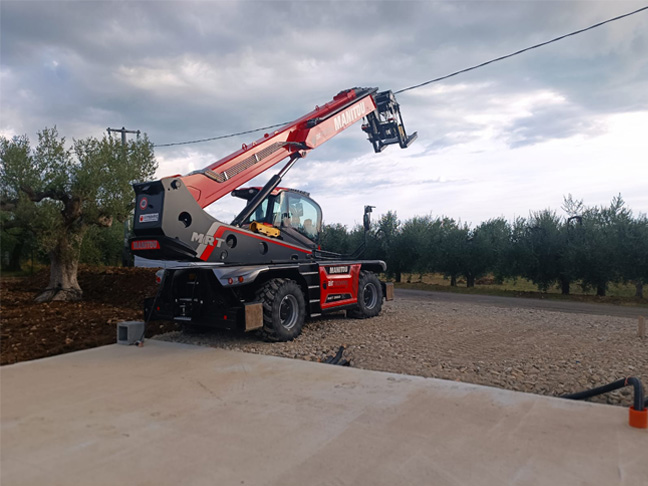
<point>111,294</point>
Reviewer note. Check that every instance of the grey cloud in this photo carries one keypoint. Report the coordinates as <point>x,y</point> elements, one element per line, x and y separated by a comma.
<point>551,123</point>
<point>268,62</point>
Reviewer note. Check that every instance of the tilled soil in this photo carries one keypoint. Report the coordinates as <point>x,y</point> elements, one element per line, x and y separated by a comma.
<point>29,330</point>
<point>534,351</point>
<point>530,350</point>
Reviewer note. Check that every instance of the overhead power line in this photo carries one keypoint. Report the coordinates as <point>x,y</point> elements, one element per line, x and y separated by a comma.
<point>501,58</point>
<point>425,83</point>
<point>220,137</point>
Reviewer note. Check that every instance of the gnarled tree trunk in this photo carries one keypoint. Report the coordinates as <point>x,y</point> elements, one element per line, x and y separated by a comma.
<point>639,289</point>
<point>63,284</point>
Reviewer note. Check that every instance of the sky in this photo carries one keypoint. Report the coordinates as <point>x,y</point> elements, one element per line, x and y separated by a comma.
<point>500,141</point>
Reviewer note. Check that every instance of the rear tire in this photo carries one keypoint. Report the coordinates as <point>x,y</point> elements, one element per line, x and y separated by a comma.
<point>370,297</point>
<point>284,309</point>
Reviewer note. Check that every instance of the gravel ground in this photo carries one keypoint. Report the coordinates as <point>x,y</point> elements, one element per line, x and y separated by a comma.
<point>535,351</point>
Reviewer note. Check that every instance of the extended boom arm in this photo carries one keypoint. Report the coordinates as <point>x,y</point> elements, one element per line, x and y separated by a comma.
<point>384,127</point>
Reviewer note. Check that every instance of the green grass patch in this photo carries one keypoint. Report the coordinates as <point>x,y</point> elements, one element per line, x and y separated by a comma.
<point>618,294</point>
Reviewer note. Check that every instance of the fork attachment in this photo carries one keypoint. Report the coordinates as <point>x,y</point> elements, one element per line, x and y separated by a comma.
<point>385,125</point>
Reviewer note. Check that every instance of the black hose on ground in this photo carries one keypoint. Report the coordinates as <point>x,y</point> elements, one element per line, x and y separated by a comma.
<point>335,359</point>
<point>638,393</point>
<point>147,318</point>
<point>615,385</point>
<point>337,356</point>
<point>140,341</point>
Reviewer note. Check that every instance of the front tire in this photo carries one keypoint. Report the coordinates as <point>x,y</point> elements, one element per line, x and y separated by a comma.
<point>370,296</point>
<point>284,309</point>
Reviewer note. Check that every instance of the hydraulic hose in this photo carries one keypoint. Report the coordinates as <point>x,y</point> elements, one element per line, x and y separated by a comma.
<point>615,385</point>
<point>335,359</point>
<point>147,318</point>
<point>639,403</point>
<point>638,413</point>
<point>140,341</point>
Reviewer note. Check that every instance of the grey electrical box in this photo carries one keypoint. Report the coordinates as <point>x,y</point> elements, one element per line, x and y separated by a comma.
<point>129,332</point>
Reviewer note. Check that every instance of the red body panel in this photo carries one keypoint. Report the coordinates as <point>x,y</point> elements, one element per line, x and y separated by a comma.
<point>338,289</point>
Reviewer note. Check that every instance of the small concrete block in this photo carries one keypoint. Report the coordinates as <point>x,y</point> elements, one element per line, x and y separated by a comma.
<point>129,332</point>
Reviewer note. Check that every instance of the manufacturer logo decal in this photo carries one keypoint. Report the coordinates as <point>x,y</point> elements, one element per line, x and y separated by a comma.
<point>206,239</point>
<point>145,245</point>
<point>343,269</point>
<point>350,116</point>
<point>149,218</point>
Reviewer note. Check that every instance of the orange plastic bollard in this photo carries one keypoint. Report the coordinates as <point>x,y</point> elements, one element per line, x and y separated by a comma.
<point>638,418</point>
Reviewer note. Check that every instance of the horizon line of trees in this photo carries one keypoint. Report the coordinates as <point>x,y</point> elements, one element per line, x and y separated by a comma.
<point>589,246</point>
<point>59,203</point>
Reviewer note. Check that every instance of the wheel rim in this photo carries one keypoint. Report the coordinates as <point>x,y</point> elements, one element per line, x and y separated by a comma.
<point>288,311</point>
<point>370,296</point>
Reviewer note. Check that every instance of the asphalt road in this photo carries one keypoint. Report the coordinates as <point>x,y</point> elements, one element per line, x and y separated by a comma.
<point>543,304</point>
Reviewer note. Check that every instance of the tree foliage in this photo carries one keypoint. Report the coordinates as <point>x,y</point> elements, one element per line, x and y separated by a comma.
<point>55,193</point>
<point>592,246</point>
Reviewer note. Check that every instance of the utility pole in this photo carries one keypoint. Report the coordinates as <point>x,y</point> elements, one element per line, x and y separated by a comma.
<point>127,256</point>
<point>123,132</point>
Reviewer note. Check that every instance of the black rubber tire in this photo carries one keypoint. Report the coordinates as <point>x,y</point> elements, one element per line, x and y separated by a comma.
<point>370,297</point>
<point>284,309</point>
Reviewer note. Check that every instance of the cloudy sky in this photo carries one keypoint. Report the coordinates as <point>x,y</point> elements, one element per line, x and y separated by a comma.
<point>515,136</point>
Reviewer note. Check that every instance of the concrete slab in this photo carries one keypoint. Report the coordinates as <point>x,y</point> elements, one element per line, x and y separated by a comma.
<point>170,414</point>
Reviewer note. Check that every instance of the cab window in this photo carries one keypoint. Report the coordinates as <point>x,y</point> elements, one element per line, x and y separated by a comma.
<point>302,214</point>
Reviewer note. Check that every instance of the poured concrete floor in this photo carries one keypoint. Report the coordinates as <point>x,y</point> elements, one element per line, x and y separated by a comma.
<point>173,414</point>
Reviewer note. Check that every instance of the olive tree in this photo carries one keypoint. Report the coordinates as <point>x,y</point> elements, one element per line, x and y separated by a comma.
<point>384,242</point>
<point>484,249</point>
<point>546,246</point>
<point>58,192</point>
<point>452,254</point>
<point>419,244</point>
<point>335,238</point>
<point>634,257</point>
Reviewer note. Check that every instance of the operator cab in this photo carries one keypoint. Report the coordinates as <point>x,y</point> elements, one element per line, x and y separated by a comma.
<point>291,211</point>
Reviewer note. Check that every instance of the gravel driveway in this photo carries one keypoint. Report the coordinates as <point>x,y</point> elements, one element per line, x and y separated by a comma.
<point>523,349</point>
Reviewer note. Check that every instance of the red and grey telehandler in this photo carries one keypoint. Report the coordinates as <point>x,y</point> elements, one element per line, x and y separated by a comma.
<point>264,270</point>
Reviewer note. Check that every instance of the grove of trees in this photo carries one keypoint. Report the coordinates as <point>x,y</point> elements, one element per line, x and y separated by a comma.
<point>589,246</point>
